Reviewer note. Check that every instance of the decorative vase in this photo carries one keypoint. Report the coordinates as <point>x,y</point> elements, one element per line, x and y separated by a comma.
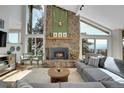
<point>58,69</point>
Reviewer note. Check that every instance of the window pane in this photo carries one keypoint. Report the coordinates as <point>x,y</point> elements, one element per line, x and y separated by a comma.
<point>87,46</point>
<point>91,45</point>
<point>31,45</point>
<point>90,30</point>
<point>101,46</point>
<point>13,37</point>
<point>39,46</point>
<point>37,19</point>
<point>35,46</point>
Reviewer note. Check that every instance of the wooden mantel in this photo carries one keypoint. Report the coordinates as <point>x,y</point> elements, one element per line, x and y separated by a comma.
<point>59,38</point>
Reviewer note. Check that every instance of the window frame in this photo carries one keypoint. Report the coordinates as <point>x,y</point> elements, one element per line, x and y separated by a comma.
<point>42,35</point>
<point>94,44</point>
<point>30,20</point>
<point>107,37</point>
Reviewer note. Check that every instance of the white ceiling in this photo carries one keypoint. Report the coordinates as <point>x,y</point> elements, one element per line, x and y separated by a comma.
<point>110,16</point>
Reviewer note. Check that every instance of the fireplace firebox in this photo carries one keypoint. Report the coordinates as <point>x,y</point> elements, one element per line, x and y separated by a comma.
<point>58,53</point>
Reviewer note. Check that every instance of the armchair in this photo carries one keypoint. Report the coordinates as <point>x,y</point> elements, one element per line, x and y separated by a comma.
<point>37,58</point>
<point>25,57</point>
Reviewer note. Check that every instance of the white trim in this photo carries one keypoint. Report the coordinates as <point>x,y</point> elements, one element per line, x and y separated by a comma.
<point>44,33</point>
<point>35,36</point>
<point>95,36</point>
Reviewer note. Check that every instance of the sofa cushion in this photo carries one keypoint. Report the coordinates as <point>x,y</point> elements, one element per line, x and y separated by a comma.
<point>96,75</point>
<point>114,76</point>
<point>45,85</point>
<point>112,84</point>
<point>115,65</point>
<point>3,84</point>
<point>81,66</point>
<point>82,85</point>
<point>21,84</point>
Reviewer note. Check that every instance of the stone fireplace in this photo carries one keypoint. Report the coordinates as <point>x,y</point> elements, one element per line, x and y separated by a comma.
<point>66,47</point>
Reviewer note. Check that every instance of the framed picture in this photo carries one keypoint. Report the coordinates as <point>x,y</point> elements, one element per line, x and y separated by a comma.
<point>55,35</point>
<point>12,48</point>
<point>18,48</point>
<point>64,34</point>
<point>60,35</point>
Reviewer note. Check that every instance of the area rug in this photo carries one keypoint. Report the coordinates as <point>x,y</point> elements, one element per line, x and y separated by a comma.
<point>40,75</point>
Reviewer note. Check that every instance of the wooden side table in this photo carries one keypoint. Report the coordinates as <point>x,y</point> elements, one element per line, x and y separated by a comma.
<point>56,76</point>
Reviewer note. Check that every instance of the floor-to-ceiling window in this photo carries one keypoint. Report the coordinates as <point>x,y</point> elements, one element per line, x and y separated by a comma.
<point>94,40</point>
<point>35,29</point>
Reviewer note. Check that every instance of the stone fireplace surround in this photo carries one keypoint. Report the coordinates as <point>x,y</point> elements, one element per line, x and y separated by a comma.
<point>70,44</point>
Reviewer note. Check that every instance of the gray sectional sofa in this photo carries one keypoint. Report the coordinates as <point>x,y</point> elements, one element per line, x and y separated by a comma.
<point>107,70</point>
<point>97,72</point>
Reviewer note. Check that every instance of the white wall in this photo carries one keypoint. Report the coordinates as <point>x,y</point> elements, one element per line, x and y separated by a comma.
<point>116,41</point>
<point>12,15</point>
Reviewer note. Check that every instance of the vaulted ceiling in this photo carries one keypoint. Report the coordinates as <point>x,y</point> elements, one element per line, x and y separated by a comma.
<point>110,16</point>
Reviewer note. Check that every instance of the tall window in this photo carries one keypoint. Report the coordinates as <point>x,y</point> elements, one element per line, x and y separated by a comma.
<point>36,17</point>
<point>93,43</point>
<point>35,29</point>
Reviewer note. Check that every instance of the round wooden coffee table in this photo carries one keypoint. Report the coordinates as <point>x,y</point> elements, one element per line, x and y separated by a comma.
<point>56,76</point>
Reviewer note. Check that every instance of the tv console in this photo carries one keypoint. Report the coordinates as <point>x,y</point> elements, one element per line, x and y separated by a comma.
<point>7,63</point>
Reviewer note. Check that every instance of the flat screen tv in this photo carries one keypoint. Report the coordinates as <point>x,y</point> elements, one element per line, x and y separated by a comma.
<point>3,38</point>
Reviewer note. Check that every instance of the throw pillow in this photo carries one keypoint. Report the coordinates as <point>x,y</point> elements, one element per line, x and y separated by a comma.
<point>93,61</point>
<point>83,60</point>
<point>87,60</point>
<point>101,62</point>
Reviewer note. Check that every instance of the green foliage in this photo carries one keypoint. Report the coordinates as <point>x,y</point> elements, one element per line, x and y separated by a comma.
<point>38,26</point>
<point>85,48</point>
<point>9,52</point>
